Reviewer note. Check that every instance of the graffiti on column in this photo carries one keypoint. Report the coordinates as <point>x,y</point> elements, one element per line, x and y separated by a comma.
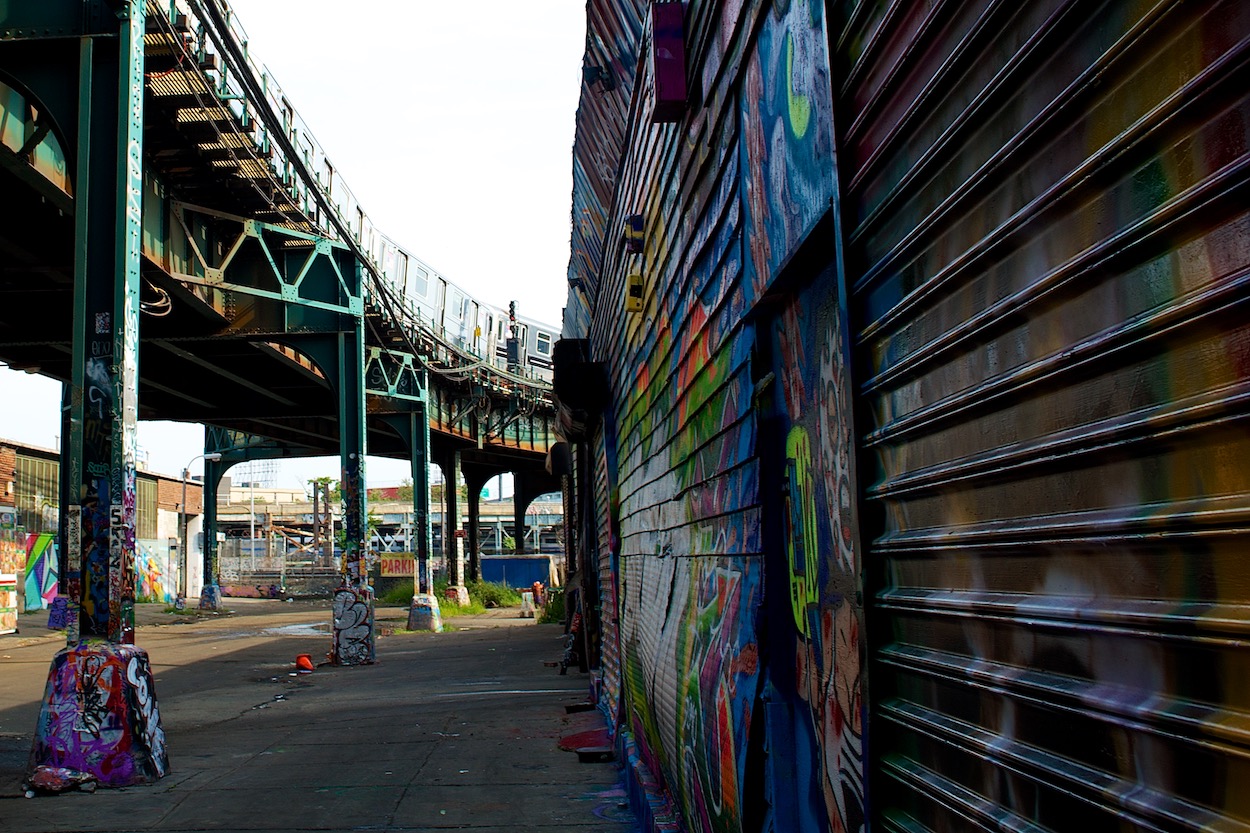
<point>354,566</point>
<point>100,717</point>
<point>97,553</point>
<point>353,626</point>
<point>72,587</point>
<point>145,717</point>
<point>94,556</point>
<point>94,685</point>
<point>122,482</point>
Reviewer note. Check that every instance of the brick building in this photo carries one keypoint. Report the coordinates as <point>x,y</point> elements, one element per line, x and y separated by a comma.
<point>29,489</point>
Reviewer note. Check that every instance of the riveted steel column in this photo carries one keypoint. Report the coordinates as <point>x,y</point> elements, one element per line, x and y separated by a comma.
<point>424,612</point>
<point>104,387</point>
<point>420,448</point>
<point>451,526</point>
<point>115,737</point>
<point>475,480</point>
<point>520,502</point>
<point>354,633</point>
<point>210,593</point>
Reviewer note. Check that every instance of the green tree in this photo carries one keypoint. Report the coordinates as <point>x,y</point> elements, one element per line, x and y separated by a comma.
<point>335,492</point>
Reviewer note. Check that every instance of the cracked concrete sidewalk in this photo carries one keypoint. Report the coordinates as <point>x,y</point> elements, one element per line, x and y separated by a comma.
<point>454,730</point>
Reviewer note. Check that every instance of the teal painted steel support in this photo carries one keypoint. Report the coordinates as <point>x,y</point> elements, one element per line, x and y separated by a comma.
<point>351,397</point>
<point>473,538</point>
<point>520,502</point>
<point>451,525</point>
<point>354,631</point>
<point>420,453</point>
<point>423,614</point>
<point>62,608</point>
<point>234,447</point>
<point>210,592</point>
<point>126,745</point>
<point>100,525</point>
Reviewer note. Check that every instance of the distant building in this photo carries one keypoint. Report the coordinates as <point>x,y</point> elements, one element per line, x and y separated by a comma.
<point>30,495</point>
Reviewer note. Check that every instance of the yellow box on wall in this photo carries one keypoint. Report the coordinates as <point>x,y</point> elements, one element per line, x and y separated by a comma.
<point>633,292</point>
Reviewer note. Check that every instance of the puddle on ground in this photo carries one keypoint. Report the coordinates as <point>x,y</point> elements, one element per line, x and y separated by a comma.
<point>303,629</point>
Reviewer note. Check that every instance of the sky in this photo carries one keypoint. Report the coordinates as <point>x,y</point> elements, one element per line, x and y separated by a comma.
<point>452,124</point>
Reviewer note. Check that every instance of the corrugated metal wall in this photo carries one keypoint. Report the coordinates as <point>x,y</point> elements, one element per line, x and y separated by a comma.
<point>682,418</point>
<point>1045,206</point>
<point>609,624</point>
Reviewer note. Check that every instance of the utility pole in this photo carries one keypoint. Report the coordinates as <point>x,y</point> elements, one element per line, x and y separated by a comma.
<point>183,543</point>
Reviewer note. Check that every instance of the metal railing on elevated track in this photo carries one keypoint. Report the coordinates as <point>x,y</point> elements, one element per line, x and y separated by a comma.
<point>268,143</point>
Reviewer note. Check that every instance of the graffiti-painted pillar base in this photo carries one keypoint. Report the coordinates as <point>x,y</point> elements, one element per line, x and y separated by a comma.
<point>354,638</point>
<point>457,594</point>
<point>59,613</point>
<point>424,613</point>
<point>99,718</point>
<point>210,597</point>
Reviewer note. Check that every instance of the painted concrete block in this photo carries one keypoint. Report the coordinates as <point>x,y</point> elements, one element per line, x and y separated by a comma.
<point>100,716</point>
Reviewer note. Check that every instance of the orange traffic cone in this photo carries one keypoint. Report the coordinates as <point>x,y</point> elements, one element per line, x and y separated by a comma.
<point>304,662</point>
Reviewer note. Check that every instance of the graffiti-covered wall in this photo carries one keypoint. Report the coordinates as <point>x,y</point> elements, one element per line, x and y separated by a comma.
<point>727,197</point>
<point>41,571</point>
<point>920,493</point>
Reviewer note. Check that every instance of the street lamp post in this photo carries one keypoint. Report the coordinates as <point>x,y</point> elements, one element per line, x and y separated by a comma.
<point>182,534</point>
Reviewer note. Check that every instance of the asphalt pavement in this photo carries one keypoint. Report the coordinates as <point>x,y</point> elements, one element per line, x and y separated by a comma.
<point>457,730</point>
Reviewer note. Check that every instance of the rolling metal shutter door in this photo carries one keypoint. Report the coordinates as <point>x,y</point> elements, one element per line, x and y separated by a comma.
<point>1045,207</point>
<point>609,627</point>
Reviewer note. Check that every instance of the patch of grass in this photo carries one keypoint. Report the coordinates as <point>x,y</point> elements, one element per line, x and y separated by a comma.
<point>490,594</point>
<point>400,594</point>
<point>450,608</point>
<point>482,596</point>
<point>553,610</point>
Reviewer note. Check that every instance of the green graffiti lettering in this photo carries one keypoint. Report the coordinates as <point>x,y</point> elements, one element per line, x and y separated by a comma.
<point>801,546</point>
<point>800,105</point>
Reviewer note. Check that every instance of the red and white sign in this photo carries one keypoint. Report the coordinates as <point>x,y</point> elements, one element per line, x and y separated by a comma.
<point>403,565</point>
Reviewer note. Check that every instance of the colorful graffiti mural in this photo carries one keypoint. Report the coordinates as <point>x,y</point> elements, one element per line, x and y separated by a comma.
<point>704,611</point>
<point>11,558</point>
<point>691,579</point>
<point>155,574</point>
<point>1037,319</point>
<point>100,716</point>
<point>787,139</point>
<point>820,550</point>
<point>41,571</point>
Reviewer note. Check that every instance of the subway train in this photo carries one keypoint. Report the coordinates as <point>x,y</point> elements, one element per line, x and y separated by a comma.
<point>462,321</point>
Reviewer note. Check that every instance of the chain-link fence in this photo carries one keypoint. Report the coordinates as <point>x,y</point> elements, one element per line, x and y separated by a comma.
<point>248,565</point>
